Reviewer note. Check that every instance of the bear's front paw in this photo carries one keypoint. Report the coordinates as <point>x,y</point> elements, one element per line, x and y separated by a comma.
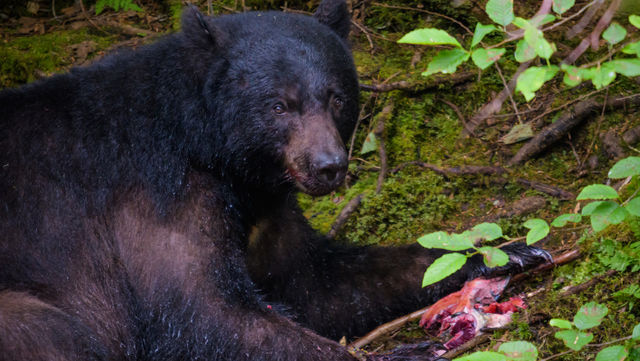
<point>521,258</point>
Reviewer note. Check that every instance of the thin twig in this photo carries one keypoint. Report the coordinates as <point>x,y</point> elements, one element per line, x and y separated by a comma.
<point>342,218</point>
<point>361,117</point>
<point>366,33</point>
<point>86,15</point>
<point>548,189</point>
<point>557,355</point>
<point>495,104</point>
<point>613,51</point>
<point>479,339</point>
<point>513,102</point>
<point>379,132</point>
<point>583,286</point>
<point>566,104</point>
<point>424,11</point>
<point>462,170</point>
<point>460,115</point>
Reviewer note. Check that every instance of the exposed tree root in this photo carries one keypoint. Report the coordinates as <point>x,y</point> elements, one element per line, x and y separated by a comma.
<point>572,290</point>
<point>344,215</point>
<point>462,170</point>
<point>557,130</point>
<point>420,86</point>
<point>495,105</point>
<point>547,189</point>
<point>611,144</point>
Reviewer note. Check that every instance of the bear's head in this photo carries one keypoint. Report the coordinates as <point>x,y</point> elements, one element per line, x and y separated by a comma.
<point>283,93</point>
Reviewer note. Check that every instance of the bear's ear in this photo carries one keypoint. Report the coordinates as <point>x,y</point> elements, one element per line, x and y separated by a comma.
<point>200,28</point>
<point>334,14</point>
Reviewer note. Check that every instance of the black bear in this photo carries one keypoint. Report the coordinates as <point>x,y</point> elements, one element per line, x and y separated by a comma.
<point>148,209</point>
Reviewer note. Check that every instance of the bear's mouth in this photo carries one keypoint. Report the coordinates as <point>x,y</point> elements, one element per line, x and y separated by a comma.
<point>310,184</point>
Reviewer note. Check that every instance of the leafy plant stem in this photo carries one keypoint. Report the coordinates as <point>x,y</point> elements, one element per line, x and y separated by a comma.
<point>588,345</point>
<point>520,34</point>
<point>608,56</point>
<point>609,342</point>
<point>631,197</point>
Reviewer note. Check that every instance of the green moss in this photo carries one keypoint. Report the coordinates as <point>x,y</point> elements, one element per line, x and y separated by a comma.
<point>406,208</point>
<point>23,57</point>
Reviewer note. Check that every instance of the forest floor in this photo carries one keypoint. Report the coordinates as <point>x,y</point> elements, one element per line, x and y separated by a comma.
<point>434,175</point>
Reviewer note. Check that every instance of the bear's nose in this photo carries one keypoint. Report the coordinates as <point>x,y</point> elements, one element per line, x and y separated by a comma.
<point>330,168</point>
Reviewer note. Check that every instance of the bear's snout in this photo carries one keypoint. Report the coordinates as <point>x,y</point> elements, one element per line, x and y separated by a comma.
<point>330,168</point>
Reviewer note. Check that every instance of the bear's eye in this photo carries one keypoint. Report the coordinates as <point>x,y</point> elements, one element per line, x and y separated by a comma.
<point>279,109</point>
<point>338,103</point>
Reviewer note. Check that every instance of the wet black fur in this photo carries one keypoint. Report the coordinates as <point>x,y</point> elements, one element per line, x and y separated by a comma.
<point>145,212</point>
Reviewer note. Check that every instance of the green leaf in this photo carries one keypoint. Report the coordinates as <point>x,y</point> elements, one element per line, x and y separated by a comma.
<point>590,315</point>
<point>563,219</point>
<point>429,36</point>
<point>614,34</point>
<point>535,38</point>
<point>543,48</point>
<point>446,61</point>
<point>589,208</point>
<point>561,6</point>
<point>606,214</point>
<point>574,339</point>
<point>597,191</point>
<point>634,20</point>
<point>632,48</point>
<point>484,231</point>
<point>524,52</point>
<point>493,257</point>
<point>443,267</point>
<point>445,241</point>
<point>612,353</point>
<point>370,144</point>
<point>624,168</point>
<point>100,6</point>
<point>519,351</point>
<point>635,335</point>
<point>480,32</point>
<point>560,323</point>
<point>518,133</point>
<point>533,78</point>
<point>483,58</point>
<point>500,11</point>
<point>603,75</point>
<point>548,18</point>
<point>626,67</point>
<point>633,207</point>
<point>574,76</point>
<point>482,356</point>
<point>538,229</point>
